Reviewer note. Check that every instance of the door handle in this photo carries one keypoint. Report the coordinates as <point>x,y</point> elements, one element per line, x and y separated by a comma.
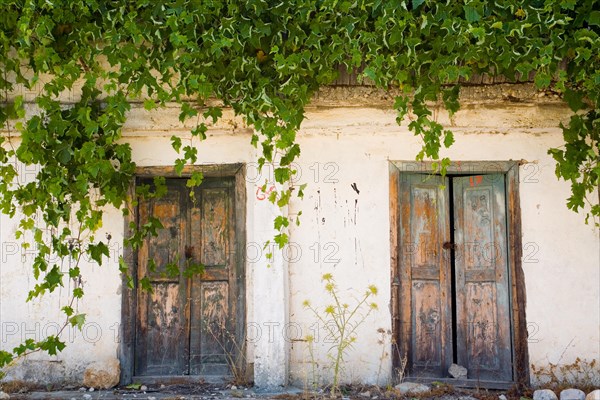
<point>189,252</point>
<point>449,246</point>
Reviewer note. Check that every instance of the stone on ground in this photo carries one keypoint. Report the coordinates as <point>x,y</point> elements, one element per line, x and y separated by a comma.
<point>412,388</point>
<point>458,371</point>
<point>572,394</point>
<point>102,374</point>
<point>544,394</point>
<point>595,395</point>
<point>4,396</point>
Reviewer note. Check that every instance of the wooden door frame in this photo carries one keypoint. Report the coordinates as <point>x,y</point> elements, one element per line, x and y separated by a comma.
<point>126,348</point>
<point>510,169</point>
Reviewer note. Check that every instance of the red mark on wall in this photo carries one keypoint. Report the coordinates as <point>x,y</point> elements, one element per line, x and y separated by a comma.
<point>263,194</point>
<point>475,180</point>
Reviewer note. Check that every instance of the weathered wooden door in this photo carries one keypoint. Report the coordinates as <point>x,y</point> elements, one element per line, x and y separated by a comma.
<point>483,338</point>
<point>186,324</point>
<point>454,299</point>
<point>425,302</point>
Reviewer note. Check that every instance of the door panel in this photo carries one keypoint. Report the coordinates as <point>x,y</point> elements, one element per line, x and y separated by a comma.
<point>482,305</point>
<point>214,226</point>
<point>186,325</point>
<point>425,304</point>
<point>162,348</point>
<point>214,296</point>
<point>211,337</point>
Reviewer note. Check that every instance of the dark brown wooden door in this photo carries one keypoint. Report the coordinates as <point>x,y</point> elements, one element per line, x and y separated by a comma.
<point>186,325</point>
<point>482,306</point>
<point>454,298</point>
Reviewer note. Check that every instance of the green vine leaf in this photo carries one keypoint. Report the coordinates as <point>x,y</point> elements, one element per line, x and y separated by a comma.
<point>77,320</point>
<point>52,345</point>
<point>6,357</point>
<point>97,251</point>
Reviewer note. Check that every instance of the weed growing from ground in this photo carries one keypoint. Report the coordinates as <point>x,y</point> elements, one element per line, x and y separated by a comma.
<point>341,321</point>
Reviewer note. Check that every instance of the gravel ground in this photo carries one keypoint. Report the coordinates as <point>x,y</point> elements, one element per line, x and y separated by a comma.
<point>215,392</point>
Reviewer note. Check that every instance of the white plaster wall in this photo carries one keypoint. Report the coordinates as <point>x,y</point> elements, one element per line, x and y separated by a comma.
<point>561,255</point>
<point>41,317</point>
<point>347,234</point>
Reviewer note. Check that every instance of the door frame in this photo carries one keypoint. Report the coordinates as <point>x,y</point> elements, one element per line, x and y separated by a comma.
<point>510,170</point>
<point>126,348</point>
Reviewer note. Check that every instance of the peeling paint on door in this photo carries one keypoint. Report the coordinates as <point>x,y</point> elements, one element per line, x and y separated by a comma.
<point>454,301</point>
<point>186,324</point>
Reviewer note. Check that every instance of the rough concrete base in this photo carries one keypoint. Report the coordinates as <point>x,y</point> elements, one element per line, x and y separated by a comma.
<point>45,373</point>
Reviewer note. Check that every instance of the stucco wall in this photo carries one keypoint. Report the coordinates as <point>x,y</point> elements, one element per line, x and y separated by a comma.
<point>342,232</point>
<point>561,255</point>
<point>21,320</point>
